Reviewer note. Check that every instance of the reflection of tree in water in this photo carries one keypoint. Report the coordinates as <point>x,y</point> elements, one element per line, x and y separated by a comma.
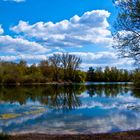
<point>108,90</point>
<point>136,92</point>
<point>58,96</point>
<point>66,98</point>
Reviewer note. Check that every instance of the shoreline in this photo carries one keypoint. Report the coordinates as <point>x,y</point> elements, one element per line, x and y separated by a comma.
<point>59,83</point>
<point>127,135</point>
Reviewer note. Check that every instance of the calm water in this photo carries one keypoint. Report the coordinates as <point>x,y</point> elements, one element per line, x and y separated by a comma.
<point>88,108</point>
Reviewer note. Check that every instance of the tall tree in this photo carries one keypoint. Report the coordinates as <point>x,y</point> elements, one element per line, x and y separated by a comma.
<point>69,63</point>
<point>55,64</point>
<point>127,29</point>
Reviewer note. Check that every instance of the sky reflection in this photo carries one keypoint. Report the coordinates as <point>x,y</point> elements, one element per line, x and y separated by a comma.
<point>86,109</point>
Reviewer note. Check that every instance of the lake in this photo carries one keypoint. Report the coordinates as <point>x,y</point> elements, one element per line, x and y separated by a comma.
<point>71,109</point>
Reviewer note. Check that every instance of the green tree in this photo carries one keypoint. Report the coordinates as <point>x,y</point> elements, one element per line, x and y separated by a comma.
<point>55,64</point>
<point>80,76</point>
<point>46,70</point>
<point>137,78</point>
<point>91,74</point>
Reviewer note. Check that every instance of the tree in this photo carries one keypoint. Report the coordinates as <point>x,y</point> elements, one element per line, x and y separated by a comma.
<point>127,29</point>
<point>69,64</point>
<point>22,66</point>
<point>80,76</point>
<point>55,64</point>
<point>46,70</point>
<point>64,62</point>
<point>90,74</point>
<point>109,74</point>
<point>137,78</point>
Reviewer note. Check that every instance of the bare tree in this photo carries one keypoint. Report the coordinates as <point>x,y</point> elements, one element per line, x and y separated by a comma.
<point>65,62</point>
<point>127,29</point>
<point>69,63</point>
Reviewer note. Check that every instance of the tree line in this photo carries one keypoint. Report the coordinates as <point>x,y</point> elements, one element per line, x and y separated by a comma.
<point>60,68</point>
<point>109,75</point>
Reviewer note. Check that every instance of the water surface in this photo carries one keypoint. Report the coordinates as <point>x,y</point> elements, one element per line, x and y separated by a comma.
<point>72,109</point>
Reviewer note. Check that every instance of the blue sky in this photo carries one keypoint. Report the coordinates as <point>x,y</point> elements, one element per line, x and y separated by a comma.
<point>35,29</point>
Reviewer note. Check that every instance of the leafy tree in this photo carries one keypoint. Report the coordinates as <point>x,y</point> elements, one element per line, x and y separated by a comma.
<point>109,75</point>
<point>55,64</point>
<point>90,74</point>
<point>80,76</point>
<point>46,70</point>
<point>137,78</point>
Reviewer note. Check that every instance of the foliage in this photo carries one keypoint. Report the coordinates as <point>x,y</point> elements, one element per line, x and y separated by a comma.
<point>59,68</point>
<point>137,78</point>
<point>109,75</point>
<point>80,76</point>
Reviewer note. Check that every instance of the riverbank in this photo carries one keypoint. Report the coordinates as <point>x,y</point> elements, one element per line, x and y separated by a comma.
<point>61,83</point>
<point>130,135</point>
<point>36,84</point>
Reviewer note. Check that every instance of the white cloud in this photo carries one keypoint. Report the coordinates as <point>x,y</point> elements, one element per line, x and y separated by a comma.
<point>120,102</point>
<point>89,29</point>
<point>92,28</point>
<point>18,1</point>
<point>1,30</point>
<point>100,59</point>
<point>24,57</point>
<point>19,45</point>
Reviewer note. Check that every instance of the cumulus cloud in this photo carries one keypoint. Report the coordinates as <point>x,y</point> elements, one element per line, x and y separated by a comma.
<point>17,1</point>
<point>12,45</point>
<point>89,29</point>
<point>33,41</point>
<point>100,59</point>
<point>27,57</point>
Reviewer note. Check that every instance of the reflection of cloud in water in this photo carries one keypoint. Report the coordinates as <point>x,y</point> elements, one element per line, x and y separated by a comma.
<point>78,124</point>
<point>101,113</point>
<point>120,102</point>
<point>78,121</point>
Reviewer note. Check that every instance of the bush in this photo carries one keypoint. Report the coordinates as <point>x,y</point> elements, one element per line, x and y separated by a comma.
<point>9,80</point>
